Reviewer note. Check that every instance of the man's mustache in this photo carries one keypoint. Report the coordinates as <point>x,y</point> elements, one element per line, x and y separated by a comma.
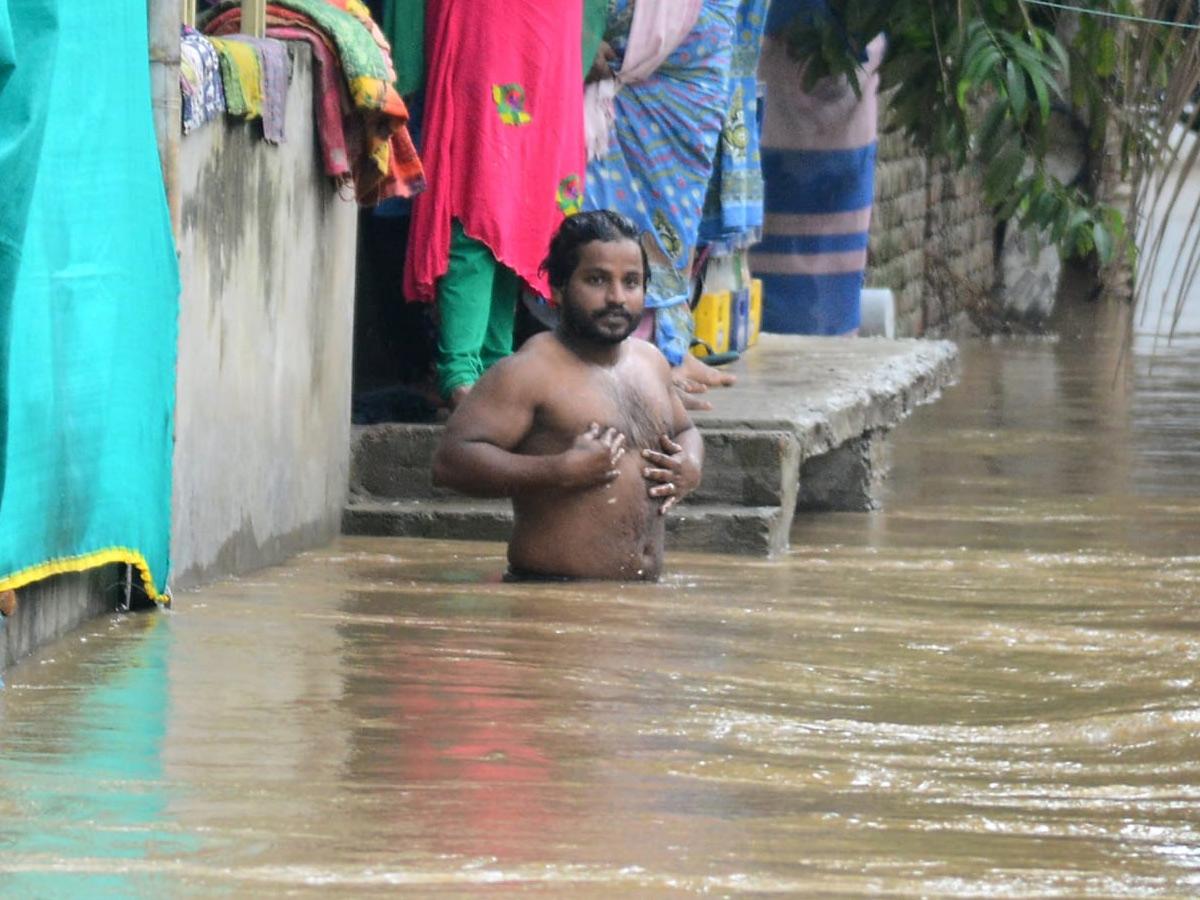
<point>613,311</point>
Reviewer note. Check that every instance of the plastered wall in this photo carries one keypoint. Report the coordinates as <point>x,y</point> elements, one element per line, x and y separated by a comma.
<point>267,257</point>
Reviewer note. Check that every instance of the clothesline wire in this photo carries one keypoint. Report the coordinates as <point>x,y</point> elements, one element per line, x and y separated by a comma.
<point>1113,15</point>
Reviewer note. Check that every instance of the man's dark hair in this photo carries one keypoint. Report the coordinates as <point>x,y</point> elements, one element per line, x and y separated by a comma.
<point>583,228</point>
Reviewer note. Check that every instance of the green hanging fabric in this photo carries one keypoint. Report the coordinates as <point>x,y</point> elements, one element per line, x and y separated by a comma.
<point>595,16</point>
<point>404,27</point>
<point>89,299</point>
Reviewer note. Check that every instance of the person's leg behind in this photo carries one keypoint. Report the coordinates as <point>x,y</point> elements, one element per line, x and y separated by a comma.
<point>464,296</point>
<point>501,323</point>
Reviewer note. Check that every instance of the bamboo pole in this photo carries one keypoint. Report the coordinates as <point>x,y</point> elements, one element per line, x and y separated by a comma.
<point>165,96</point>
<point>254,17</point>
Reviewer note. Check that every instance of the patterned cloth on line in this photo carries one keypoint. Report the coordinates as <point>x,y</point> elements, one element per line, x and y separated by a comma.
<point>241,76</point>
<point>330,97</point>
<point>261,89</point>
<point>733,212</point>
<point>199,80</point>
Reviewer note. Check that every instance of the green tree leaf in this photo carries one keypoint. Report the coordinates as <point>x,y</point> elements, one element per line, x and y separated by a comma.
<point>1018,99</point>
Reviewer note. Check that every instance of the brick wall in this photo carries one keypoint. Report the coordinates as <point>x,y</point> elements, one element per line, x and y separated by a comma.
<point>930,239</point>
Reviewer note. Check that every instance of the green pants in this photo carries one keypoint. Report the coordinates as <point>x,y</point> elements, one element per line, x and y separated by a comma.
<point>477,302</point>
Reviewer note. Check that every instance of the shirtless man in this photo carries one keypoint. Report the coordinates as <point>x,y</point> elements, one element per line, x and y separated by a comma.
<point>581,427</point>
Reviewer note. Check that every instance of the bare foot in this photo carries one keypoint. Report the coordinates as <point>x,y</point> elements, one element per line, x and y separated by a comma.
<point>690,400</point>
<point>692,369</point>
<point>686,385</point>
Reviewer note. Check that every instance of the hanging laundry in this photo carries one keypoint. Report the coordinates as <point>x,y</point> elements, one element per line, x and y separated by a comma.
<point>330,98</point>
<point>241,75</point>
<point>819,169</point>
<point>276,73</point>
<point>199,80</point>
<point>733,210</point>
<point>260,84</point>
<point>89,303</point>
<point>383,159</point>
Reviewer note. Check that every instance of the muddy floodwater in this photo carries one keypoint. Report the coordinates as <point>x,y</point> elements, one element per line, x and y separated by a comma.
<point>987,689</point>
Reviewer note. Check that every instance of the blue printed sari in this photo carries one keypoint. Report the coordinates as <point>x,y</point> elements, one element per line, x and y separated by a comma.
<point>660,157</point>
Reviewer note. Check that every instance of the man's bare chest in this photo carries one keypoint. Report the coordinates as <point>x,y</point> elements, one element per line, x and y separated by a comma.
<point>637,407</point>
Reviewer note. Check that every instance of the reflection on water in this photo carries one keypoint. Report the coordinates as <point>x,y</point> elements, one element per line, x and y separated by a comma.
<point>82,796</point>
<point>987,689</point>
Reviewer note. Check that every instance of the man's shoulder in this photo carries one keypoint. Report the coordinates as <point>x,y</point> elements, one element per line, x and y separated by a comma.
<point>536,352</point>
<point>528,366</point>
<point>540,346</point>
<point>646,353</point>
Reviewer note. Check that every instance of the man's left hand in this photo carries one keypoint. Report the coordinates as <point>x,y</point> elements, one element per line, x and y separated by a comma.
<point>666,474</point>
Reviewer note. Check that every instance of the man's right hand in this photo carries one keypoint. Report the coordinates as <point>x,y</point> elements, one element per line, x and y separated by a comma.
<point>593,457</point>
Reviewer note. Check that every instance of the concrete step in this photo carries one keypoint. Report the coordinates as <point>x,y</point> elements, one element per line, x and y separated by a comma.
<point>441,519</point>
<point>722,528</point>
<point>701,527</point>
<point>392,460</point>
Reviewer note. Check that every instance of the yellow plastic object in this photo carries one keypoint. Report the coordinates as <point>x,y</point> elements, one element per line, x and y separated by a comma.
<point>711,316</point>
<point>755,311</point>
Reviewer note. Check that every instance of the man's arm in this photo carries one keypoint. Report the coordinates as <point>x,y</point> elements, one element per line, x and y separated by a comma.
<point>477,455</point>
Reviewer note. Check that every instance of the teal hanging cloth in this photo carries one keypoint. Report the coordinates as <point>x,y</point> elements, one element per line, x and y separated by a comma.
<point>8,50</point>
<point>24,99</point>
<point>89,298</point>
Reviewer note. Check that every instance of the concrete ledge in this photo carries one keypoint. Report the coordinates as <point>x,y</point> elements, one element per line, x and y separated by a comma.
<point>826,391</point>
<point>847,478</point>
<point>756,468</point>
<point>751,468</point>
<point>393,459</point>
